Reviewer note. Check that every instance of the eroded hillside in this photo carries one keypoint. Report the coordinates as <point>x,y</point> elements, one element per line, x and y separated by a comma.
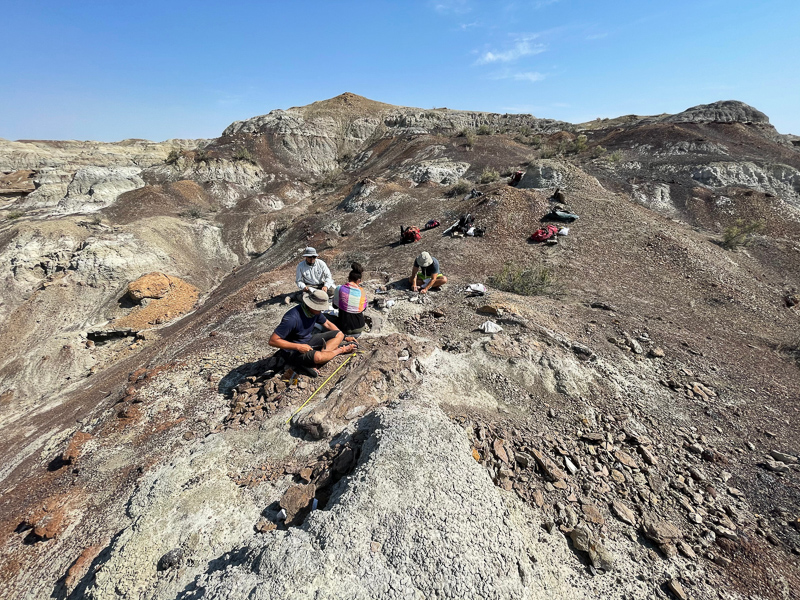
<point>630,433</point>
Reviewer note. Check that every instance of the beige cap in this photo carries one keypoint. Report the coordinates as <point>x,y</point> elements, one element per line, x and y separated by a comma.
<point>425,259</point>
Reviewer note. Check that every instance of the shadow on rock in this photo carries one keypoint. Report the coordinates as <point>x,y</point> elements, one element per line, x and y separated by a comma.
<point>262,368</point>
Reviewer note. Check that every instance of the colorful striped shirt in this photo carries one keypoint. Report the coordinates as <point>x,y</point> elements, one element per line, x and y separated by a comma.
<point>351,298</point>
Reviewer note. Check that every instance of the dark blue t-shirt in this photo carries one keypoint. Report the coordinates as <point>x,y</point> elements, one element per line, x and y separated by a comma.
<point>297,326</point>
<point>429,271</point>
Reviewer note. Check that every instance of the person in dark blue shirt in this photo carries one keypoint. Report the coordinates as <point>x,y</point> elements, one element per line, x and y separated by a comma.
<point>303,349</point>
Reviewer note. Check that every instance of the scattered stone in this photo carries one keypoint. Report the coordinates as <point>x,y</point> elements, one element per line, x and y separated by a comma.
<point>750,446</point>
<point>551,471</point>
<point>696,474</point>
<point>297,501</point>
<point>661,532</point>
<point>170,560</point>
<point>626,459</point>
<point>551,413</point>
<point>476,455</point>
<point>693,448</point>
<point>676,588</point>
<point>617,476</point>
<point>375,546</point>
<point>188,435</point>
<point>570,466</point>
<point>594,437</point>
<point>775,466</point>
<point>602,306</point>
<point>625,514</point>
<point>686,550</point>
<point>722,561</point>
<point>656,352</point>
<point>523,460</point>
<point>592,514</point>
<point>784,458</point>
<point>74,447</point>
<point>306,474</point>
<point>648,456</point>
<point>583,540</point>
<point>499,450</point>
<point>265,525</point>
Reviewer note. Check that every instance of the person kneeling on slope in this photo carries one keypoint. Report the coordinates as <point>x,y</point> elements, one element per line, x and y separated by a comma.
<point>426,274</point>
<point>305,351</point>
<point>351,300</point>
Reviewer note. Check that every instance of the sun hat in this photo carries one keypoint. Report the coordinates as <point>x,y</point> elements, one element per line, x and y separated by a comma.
<point>425,259</point>
<point>310,252</point>
<point>316,300</point>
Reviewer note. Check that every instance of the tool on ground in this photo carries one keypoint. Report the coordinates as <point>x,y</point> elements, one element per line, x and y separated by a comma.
<point>319,388</point>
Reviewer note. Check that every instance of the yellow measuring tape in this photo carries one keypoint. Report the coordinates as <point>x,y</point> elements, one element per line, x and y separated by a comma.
<point>319,388</point>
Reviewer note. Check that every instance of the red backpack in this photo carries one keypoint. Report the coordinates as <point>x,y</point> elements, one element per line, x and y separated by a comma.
<point>545,233</point>
<point>409,235</point>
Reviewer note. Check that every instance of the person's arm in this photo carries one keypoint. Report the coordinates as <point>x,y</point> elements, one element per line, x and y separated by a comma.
<point>435,274</point>
<point>328,324</point>
<point>298,278</point>
<point>414,272</point>
<point>277,341</point>
<point>327,278</point>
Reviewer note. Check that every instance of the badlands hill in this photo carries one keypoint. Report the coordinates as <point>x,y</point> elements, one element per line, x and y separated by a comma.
<point>630,433</point>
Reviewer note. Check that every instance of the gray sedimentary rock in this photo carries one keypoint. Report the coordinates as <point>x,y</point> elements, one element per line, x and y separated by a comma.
<point>391,532</point>
<point>725,111</point>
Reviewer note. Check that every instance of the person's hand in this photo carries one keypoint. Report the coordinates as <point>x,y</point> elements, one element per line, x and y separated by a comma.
<point>349,338</point>
<point>303,348</point>
<point>325,288</point>
<point>305,289</point>
<point>423,291</point>
<point>414,287</point>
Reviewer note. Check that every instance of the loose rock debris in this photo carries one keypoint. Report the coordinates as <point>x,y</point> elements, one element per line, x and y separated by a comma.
<point>621,480</point>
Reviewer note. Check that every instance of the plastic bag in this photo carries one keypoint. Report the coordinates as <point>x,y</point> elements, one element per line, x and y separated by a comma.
<point>490,327</point>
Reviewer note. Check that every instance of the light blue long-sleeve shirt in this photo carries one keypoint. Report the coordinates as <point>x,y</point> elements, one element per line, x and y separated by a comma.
<point>317,274</point>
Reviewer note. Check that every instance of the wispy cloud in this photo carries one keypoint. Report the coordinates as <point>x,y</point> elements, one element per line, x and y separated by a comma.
<point>597,36</point>
<point>522,47</point>
<point>451,7</point>
<point>542,3</point>
<point>530,76</point>
<point>468,26</point>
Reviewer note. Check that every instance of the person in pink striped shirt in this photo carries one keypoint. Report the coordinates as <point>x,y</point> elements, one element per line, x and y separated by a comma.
<point>351,299</point>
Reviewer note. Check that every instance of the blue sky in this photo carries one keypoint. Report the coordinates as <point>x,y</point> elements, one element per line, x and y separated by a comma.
<point>109,70</point>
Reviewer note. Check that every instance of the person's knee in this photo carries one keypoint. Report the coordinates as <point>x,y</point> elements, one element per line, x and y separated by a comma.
<point>442,279</point>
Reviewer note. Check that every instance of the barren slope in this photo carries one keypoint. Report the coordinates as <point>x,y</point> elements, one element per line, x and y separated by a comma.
<point>613,438</point>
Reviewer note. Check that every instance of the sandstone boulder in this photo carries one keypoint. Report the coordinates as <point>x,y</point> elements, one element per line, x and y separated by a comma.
<point>152,285</point>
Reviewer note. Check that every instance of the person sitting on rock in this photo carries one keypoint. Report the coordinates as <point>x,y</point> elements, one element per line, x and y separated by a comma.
<point>351,300</point>
<point>304,350</point>
<point>313,274</point>
<point>426,274</point>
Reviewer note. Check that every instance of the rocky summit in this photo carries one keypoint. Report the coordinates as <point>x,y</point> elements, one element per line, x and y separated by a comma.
<point>611,413</point>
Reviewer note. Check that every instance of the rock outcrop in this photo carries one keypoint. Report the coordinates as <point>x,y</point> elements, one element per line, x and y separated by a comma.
<point>623,427</point>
